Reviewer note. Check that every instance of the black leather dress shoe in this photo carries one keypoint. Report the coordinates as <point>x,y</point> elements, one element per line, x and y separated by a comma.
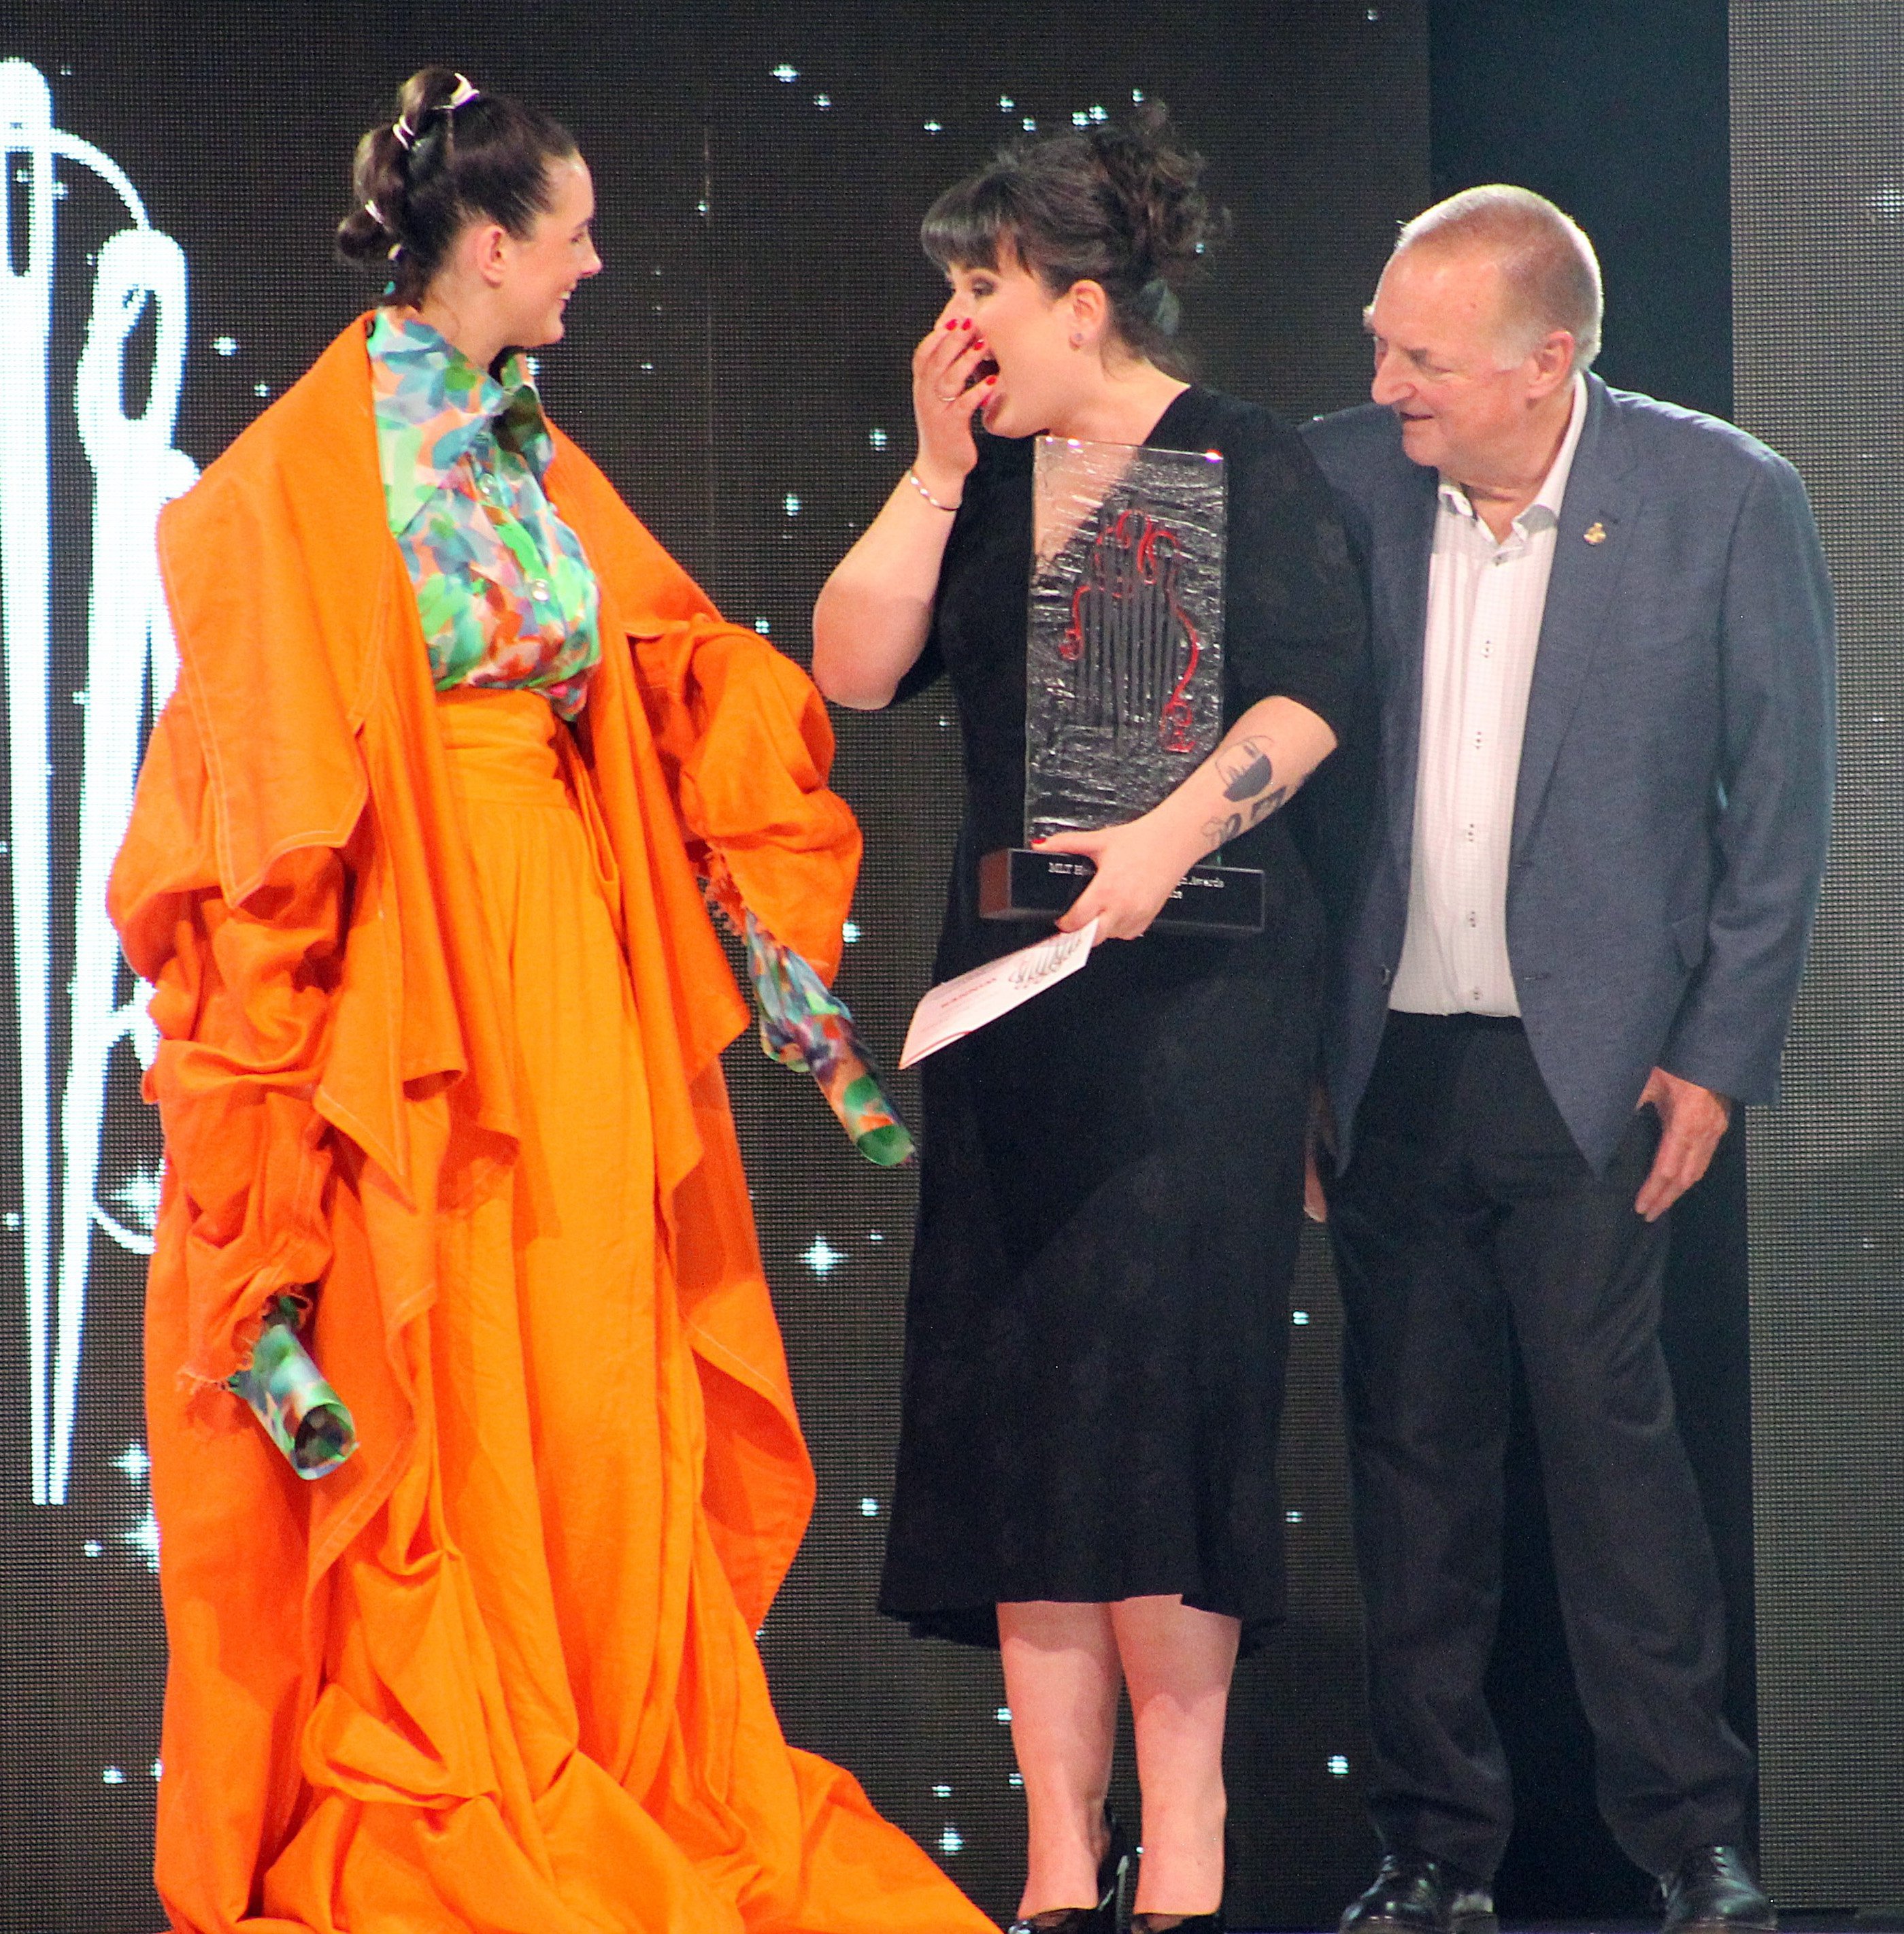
<point>1411,1895</point>
<point>1712,1891</point>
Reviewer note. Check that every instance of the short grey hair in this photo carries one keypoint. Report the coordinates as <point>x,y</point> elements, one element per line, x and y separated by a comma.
<point>1550,271</point>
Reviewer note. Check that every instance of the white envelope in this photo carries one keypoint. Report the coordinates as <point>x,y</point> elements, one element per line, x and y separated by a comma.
<point>957,1007</point>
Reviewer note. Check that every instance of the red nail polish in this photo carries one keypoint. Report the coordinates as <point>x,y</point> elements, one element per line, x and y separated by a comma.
<point>951,322</point>
<point>965,322</point>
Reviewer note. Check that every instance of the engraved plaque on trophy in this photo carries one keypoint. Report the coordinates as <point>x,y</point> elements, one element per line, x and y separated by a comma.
<point>1124,670</point>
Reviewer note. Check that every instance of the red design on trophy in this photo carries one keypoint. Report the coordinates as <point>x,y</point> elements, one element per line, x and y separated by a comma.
<point>1130,628</point>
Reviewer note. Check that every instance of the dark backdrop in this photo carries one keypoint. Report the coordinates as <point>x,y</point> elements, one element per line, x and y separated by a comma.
<point>740,370</point>
<point>1818,274</point>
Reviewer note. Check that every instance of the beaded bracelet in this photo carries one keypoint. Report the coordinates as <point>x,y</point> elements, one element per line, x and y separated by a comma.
<point>912,478</point>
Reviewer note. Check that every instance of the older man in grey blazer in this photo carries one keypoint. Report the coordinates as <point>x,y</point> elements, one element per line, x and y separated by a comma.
<point>1602,635</point>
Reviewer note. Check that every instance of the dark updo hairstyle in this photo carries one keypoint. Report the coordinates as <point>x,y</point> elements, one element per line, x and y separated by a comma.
<point>1117,204</point>
<point>422,177</point>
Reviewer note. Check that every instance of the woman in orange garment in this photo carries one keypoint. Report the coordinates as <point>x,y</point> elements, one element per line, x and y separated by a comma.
<point>412,871</point>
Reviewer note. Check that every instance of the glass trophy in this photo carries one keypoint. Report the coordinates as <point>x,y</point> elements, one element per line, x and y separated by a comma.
<point>1124,669</point>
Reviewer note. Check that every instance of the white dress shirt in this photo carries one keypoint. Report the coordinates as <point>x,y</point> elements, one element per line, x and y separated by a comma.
<point>1486,601</point>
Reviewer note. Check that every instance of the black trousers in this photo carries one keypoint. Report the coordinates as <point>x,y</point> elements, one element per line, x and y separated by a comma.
<point>1466,1216</point>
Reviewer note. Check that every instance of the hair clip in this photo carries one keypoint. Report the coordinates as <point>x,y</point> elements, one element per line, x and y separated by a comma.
<point>376,215</point>
<point>466,92</point>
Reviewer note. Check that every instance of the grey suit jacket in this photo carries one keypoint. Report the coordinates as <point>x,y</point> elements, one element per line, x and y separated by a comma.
<point>1673,805</point>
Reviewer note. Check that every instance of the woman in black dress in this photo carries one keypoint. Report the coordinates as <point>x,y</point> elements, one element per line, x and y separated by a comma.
<point>1112,1174</point>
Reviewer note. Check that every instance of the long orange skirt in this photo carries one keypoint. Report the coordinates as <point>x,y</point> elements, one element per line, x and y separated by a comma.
<point>540,1711</point>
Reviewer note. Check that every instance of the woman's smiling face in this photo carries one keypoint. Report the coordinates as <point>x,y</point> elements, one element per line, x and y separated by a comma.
<point>544,265</point>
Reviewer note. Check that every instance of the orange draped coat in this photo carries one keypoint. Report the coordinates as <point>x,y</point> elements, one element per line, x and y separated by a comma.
<point>333,1074</point>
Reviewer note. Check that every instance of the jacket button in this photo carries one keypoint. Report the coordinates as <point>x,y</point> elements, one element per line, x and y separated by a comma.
<point>1387,974</point>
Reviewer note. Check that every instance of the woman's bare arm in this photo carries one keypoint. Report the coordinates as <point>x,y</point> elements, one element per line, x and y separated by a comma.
<point>1264,759</point>
<point>873,615</point>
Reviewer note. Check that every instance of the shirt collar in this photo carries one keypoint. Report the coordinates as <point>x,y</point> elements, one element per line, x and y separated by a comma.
<point>430,396</point>
<point>1545,509</point>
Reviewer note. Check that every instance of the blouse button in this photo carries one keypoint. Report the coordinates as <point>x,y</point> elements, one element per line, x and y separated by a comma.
<point>540,588</point>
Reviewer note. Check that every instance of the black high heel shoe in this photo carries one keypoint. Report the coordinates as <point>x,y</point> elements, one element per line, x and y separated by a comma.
<point>1111,1914</point>
<point>1151,1921</point>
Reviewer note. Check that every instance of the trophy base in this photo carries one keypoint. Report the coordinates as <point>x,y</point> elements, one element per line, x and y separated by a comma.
<point>1021,883</point>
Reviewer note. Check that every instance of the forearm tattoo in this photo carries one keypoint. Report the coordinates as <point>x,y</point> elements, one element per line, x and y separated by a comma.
<point>1248,786</point>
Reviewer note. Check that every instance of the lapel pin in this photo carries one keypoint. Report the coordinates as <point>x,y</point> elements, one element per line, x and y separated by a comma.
<point>1596,532</point>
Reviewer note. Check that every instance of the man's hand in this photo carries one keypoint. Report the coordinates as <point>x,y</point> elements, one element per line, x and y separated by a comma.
<point>1321,1136</point>
<point>1693,1118</point>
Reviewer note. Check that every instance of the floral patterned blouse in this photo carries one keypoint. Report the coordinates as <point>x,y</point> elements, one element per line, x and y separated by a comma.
<point>506,593</point>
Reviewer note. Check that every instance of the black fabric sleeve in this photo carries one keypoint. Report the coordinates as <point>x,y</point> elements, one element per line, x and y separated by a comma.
<point>1295,625</point>
<point>926,670</point>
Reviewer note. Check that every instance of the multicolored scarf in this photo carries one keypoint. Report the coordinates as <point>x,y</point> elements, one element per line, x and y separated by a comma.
<point>805,1028</point>
<point>302,1415</point>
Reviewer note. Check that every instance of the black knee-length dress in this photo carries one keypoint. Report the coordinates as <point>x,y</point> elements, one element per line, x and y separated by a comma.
<point>1110,1192</point>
